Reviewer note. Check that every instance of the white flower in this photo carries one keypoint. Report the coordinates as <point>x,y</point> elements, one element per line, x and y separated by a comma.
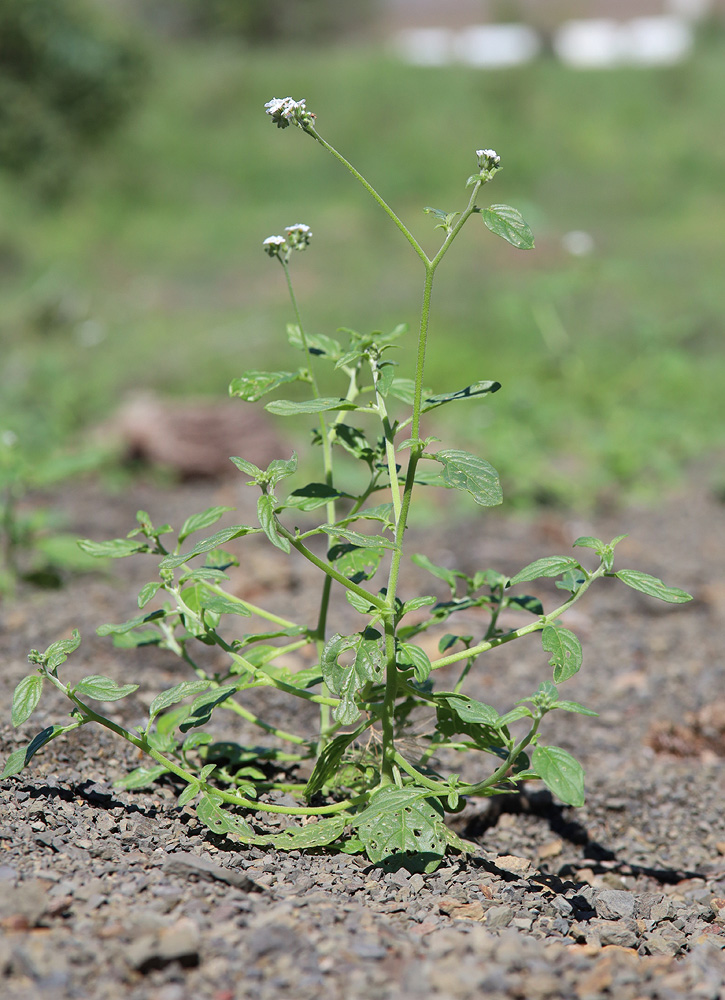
<point>275,245</point>
<point>299,236</point>
<point>284,111</point>
<point>488,159</point>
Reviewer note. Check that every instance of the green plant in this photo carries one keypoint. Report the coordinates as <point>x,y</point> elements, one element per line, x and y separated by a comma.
<point>366,792</point>
<point>33,548</point>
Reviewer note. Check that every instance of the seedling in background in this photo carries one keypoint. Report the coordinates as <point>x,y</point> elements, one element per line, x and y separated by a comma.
<point>368,791</point>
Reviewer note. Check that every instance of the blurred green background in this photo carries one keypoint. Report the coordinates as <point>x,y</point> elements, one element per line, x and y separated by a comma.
<point>139,176</point>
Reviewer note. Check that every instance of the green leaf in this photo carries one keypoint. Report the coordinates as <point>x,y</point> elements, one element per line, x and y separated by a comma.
<point>118,548</point>
<point>59,651</point>
<point>561,773</point>
<point>141,777</point>
<point>301,838</point>
<point>317,343</point>
<point>265,510</point>
<point>463,471</point>
<point>509,224</point>
<point>354,562</point>
<point>417,658</point>
<point>141,637</point>
<point>329,760</point>
<point>190,792</point>
<point>573,706</point>
<point>355,538</point>
<point>203,520</point>
<point>354,441</point>
<point>526,603</point>
<point>176,694</point>
<point>207,545</point>
<point>290,408</point>
<point>475,389</point>
<point>589,542</point>
<point>224,605</point>
<point>520,712</point>
<point>402,825</point>
<point>222,821</point>
<point>101,688</point>
<point>404,389</point>
<point>449,575</point>
<point>548,566</point>
<point>566,649</point>
<point>21,757</point>
<point>415,603</point>
<point>118,629</point>
<point>204,705</point>
<point>26,697</point>
<point>249,467</point>
<point>653,587</point>
<point>312,496</point>
<point>346,680</point>
<point>381,512</point>
<point>280,468</point>
<point>252,385</point>
<point>470,710</point>
<point>147,592</point>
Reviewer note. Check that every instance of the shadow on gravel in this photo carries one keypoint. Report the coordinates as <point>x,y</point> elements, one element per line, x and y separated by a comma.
<point>596,857</point>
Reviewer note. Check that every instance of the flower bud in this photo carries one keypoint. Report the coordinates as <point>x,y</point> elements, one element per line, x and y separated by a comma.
<point>284,111</point>
<point>299,236</point>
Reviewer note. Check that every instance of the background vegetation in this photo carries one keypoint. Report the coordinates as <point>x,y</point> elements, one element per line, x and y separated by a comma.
<point>149,273</point>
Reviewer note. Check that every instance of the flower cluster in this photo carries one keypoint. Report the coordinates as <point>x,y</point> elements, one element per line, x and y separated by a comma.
<point>489,163</point>
<point>284,111</point>
<point>298,238</point>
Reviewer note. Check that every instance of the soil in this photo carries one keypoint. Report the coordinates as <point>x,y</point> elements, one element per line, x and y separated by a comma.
<point>106,892</point>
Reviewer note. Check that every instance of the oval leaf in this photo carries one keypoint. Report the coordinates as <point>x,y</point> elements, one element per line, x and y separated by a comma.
<point>19,758</point>
<point>561,773</point>
<point>141,777</point>
<point>548,566</point>
<point>26,698</point>
<point>290,408</point>
<point>566,649</point>
<point>462,471</point>
<point>176,694</point>
<point>203,520</point>
<point>252,385</point>
<point>475,389</point>
<point>653,587</point>
<point>101,688</point>
<point>117,548</point>
<point>509,224</point>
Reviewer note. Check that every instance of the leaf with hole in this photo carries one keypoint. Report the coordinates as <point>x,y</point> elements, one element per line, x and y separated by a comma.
<point>403,826</point>
<point>345,680</point>
<point>221,821</point>
<point>566,649</point>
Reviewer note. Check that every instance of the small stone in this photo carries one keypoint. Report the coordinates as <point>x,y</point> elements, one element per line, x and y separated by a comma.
<point>552,849</point>
<point>417,882</point>
<point>499,916</point>
<point>512,863</point>
<point>665,941</point>
<point>615,932</point>
<point>615,904</point>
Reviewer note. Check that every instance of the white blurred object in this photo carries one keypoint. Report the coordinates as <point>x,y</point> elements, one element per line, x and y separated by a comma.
<point>657,41</point>
<point>593,43</point>
<point>578,243</point>
<point>424,46</point>
<point>643,41</point>
<point>692,10</point>
<point>494,46</point>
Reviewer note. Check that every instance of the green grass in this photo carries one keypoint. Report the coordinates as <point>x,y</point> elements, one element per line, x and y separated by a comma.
<point>612,367</point>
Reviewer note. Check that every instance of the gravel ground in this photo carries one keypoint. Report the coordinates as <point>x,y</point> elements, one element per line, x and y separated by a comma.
<point>103,891</point>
